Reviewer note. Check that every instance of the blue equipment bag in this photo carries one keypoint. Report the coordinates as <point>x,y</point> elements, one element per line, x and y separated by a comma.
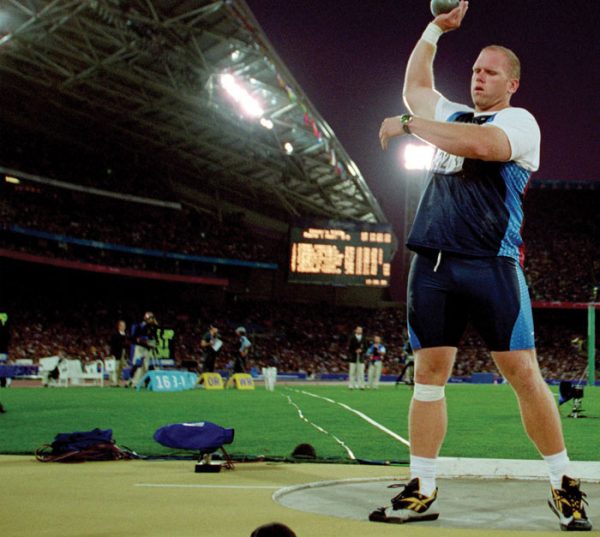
<point>78,441</point>
<point>94,445</point>
<point>203,436</point>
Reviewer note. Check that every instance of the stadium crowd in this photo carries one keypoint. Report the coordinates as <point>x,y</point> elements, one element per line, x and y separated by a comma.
<point>311,339</point>
<point>560,232</point>
<point>561,237</point>
<point>134,225</point>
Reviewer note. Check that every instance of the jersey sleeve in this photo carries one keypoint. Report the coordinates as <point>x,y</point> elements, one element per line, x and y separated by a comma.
<point>523,134</point>
<point>445,109</point>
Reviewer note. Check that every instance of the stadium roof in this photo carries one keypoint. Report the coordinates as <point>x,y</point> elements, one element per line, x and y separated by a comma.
<point>151,71</point>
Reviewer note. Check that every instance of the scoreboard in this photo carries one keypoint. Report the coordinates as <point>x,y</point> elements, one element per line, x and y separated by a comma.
<point>341,253</point>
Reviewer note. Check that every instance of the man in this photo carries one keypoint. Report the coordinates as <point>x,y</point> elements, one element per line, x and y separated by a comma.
<point>375,354</point>
<point>239,364</point>
<point>357,346</point>
<point>143,336</point>
<point>407,373</point>
<point>210,345</point>
<point>118,345</point>
<point>467,243</point>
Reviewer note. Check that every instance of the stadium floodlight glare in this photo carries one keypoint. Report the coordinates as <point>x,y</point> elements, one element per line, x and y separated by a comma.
<point>266,123</point>
<point>289,148</point>
<point>8,23</point>
<point>418,156</point>
<point>248,104</point>
<point>11,179</point>
<point>353,169</point>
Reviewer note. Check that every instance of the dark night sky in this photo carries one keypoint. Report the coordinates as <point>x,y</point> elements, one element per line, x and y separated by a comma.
<point>349,57</point>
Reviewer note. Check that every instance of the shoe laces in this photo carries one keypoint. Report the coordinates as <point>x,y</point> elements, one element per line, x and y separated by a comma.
<point>407,489</point>
<point>574,496</point>
<point>576,499</point>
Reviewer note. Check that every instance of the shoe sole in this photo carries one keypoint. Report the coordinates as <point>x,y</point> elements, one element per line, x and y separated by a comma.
<point>568,527</point>
<point>376,516</point>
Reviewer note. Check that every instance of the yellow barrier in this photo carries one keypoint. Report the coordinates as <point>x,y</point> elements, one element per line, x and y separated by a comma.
<point>241,381</point>
<point>211,381</point>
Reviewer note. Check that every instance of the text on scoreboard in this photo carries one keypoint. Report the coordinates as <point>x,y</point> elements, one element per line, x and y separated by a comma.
<point>343,254</point>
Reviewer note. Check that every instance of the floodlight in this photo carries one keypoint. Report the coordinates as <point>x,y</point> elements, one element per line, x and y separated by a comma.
<point>11,179</point>
<point>248,104</point>
<point>352,169</point>
<point>418,156</point>
<point>8,23</point>
<point>266,123</point>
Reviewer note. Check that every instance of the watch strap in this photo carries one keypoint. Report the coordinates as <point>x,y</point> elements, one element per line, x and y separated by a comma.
<point>406,120</point>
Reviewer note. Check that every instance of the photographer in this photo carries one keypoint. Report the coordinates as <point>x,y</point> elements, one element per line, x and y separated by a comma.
<point>375,355</point>
<point>143,337</point>
<point>408,372</point>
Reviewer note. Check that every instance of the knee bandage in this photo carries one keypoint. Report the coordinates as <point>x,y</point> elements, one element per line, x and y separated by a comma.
<point>428,392</point>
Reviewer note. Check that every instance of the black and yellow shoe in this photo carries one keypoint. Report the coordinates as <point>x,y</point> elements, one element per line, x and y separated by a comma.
<point>567,503</point>
<point>408,506</point>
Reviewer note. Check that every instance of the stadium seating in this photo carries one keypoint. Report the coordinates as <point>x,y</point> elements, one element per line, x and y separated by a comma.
<point>92,228</point>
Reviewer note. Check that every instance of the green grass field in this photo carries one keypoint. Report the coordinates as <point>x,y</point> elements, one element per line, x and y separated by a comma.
<point>484,420</point>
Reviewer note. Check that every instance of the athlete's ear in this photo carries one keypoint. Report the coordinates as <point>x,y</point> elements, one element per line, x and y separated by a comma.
<point>513,86</point>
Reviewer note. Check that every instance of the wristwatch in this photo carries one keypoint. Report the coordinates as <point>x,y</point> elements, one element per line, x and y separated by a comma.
<point>406,120</point>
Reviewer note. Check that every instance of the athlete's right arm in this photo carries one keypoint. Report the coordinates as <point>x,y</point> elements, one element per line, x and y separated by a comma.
<point>419,93</point>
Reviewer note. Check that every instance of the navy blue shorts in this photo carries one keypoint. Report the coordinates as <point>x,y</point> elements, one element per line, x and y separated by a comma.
<point>489,292</point>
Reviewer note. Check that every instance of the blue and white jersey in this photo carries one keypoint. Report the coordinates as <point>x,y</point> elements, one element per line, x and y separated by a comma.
<point>474,207</point>
<point>376,352</point>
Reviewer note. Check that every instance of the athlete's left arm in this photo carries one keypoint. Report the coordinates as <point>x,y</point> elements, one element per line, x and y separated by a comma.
<point>482,142</point>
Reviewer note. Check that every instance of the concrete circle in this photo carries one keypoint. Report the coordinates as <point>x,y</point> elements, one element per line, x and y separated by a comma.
<point>463,503</point>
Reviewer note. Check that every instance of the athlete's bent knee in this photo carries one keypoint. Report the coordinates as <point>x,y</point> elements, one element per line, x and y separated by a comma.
<point>428,392</point>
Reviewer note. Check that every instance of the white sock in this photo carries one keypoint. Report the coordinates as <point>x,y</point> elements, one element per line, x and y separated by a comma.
<point>558,466</point>
<point>424,469</point>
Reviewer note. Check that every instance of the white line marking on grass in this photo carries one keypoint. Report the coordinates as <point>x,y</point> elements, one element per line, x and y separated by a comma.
<point>363,416</point>
<point>183,486</point>
<point>448,467</point>
<point>320,429</point>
